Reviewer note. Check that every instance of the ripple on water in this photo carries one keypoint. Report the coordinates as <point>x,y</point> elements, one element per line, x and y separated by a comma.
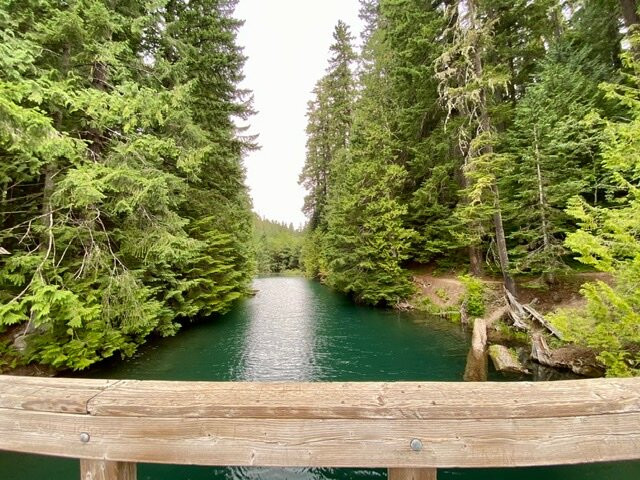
<point>298,330</point>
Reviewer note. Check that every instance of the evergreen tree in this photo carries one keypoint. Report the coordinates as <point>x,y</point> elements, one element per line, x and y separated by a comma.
<point>466,83</point>
<point>119,149</point>
<point>608,239</point>
<point>366,240</point>
<point>329,123</point>
<point>555,157</point>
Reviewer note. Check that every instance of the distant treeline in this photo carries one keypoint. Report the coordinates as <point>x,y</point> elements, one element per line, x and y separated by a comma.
<point>495,135</point>
<point>277,246</point>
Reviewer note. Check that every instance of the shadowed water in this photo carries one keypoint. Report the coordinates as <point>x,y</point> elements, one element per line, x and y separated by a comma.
<point>298,330</point>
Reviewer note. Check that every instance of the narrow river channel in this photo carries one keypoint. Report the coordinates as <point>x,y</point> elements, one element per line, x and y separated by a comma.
<point>294,329</point>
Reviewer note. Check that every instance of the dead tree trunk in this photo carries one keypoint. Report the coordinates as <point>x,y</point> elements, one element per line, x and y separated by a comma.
<point>542,203</point>
<point>485,127</point>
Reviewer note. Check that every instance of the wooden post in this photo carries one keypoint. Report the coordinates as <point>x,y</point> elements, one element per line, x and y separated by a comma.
<point>106,470</point>
<point>413,474</point>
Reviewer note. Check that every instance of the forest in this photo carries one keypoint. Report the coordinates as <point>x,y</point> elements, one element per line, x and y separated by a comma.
<point>123,206</point>
<point>276,246</point>
<point>495,137</point>
<point>492,138</point>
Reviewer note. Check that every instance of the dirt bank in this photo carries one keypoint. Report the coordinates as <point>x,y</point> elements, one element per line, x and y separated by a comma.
<point>445,293</point>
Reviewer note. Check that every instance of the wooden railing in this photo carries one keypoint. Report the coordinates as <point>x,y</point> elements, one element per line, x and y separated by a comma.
<point>410,428</point>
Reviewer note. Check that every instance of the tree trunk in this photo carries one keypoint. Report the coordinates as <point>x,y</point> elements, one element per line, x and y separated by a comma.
<point>542,203</point>
<point>485,127</point>
<point>557,22</point>
<point>629,12</point>
<point>475,260</point>
<point>501,243</point>
<point>47,207</point>
<point>4,206</point>
<point>541,196</point>
<point>474,250</point>
<point>99,77</point>
<point>50,170</point>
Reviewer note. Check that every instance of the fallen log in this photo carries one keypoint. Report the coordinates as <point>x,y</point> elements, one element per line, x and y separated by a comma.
<point>580,360</point>
<point>542,321</point>
<point>516,312</point>
<point>476,368</point>
<point>505,361</point>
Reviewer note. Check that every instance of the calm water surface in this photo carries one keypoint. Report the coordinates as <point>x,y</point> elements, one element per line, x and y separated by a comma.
<point>294,329</point>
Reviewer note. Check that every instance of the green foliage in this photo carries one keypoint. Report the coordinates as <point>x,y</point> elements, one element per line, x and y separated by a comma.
<point>608,239</point>
<point>552,124</point>
<point>312,258</point>
<point>9,356</point>
<point>512,334</point>
<point>277,246</point>
<point>366,242</point>
<point>122,198</point>
<point>426,305</point>
<point>441,293</point>
<point>474,295</point>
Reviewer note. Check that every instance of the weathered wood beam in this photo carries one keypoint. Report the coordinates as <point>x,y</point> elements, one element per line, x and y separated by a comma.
<point>413,474</point>
<point>105,470</point>
<point>448,443</point>
<point>316,400</point>
<point>324,424</point>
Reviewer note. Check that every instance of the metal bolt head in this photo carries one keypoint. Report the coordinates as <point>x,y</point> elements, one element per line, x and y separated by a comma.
<point>416,445</point>
<point>85,437</point>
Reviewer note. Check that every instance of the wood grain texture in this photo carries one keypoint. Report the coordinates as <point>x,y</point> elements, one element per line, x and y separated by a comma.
<point>476,368</point>
<point>413,474</point>
<point>105,470</point>
<point>324,424</point>
<point>368,400</point>
<point>326,443</point>
<point>64,395</point>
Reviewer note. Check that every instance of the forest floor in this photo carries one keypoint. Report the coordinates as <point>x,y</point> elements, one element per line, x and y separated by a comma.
<point>443,294</point>
<point>446,290</point>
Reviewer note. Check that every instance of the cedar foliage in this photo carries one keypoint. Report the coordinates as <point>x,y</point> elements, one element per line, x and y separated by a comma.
<point>123,203</point>
<point>494,136</point>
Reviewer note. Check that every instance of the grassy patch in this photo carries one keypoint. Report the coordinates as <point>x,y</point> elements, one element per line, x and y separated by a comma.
<point>425,305</point>
<point>474,297</point>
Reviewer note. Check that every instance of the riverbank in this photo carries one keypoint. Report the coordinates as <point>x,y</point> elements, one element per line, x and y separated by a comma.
<point>449,296</point>
<point>532,345</point>
<point>295,329</point>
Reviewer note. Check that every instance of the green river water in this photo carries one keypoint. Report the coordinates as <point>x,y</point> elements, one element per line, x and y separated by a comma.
<point>294,329</point>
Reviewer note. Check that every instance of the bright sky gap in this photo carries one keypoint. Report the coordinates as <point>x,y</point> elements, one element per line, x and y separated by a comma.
<point>287,45</point>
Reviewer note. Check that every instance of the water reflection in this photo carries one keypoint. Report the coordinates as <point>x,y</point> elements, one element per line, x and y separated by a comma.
<point>280,337</point>
<point>294,329</point>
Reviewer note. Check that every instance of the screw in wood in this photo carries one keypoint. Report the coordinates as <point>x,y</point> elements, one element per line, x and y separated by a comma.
<point>416,445</point>
<point>85,437</point>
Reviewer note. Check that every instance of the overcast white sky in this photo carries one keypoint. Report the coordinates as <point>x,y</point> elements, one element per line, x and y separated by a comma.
<point>287,42</point>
